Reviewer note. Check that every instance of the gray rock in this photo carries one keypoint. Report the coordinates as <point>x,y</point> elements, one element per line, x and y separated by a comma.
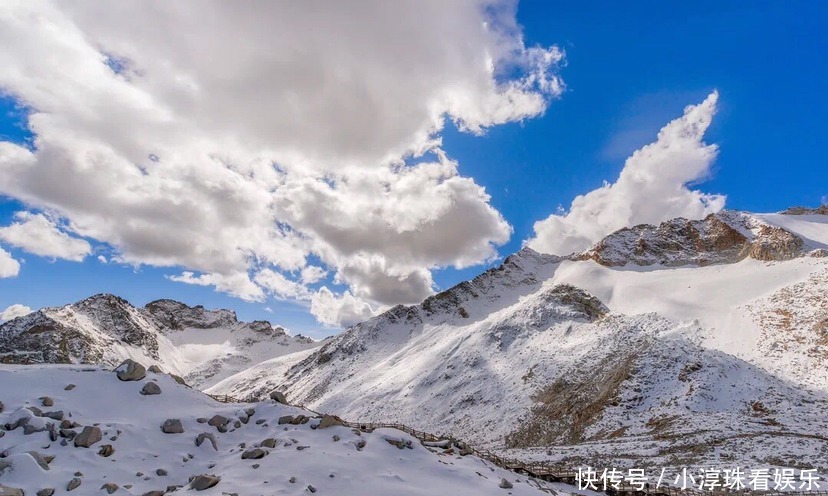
<point>336,438</point>
<point>110,487</point>
<point>237,424</point>
<point>286,419</point>
<point>69,387</point>
<point>47,401</point>
<point>292,480</point>
<point>150,389</point>
<point>155,369</point>
<point>329,421</point>
<point>88,436</point>
<point>106,450</point>
<point>202,482</point>
<point>250,412</point>
<point>153,493</point>
<point>260,421</point>
<point>56,415</point>
<point>10,491</point>
<point>31,429</point>
<point>201,420</point>
<point>504,484</point>
<point>253,454</point>
<point>279,397</point>
<point>46,492</point>
<point>37,411</point>
<point>130,370</point>
<point>172,426</point>
<point>67,433</point>
<point>160,472</point>
<point>269,443</point>
<point>1,407</point>
<point>73,484</point>
<point>4,465</point>
<point>399,443</point>
<point>208,436</point>
<point>311,489</point>
<point>39,459</point>
<point>218,421</point>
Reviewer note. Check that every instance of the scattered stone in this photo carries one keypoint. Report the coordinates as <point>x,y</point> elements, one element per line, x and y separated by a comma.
<point>242,445</point>
<point>286,419</point>
<point>153,493</point>
<point>218,421</point>
<point>202,482</point>
<point>130,370</point>
<point>399,443</point>
<point>172,426</point>
<point>47,401</point>
<point>150,389</point>
<point>160,472</point>
<point>292,480</point>
<point>67,424</point>
<point>46,492</point>
<point>88,436</point>
<point>37,411</point>
<point>110,487</point>
<point>73,484</point>
<point>336,438</point>
<point>311,489</point>
<point>69,387</point>
<point>56,415</point>
<point>250,412</point>
<point>206,436</point>
<point>360,444</point>
<point>260,421</point>
<point>301,448</point>
<point>329,421</point>
<point>255,465</point>
<point>179,379</point>
<point>78,474</point>
<point>236,424</point>
<point>268,443</point>
<point>139,474</point>
<point>253,454</point>
<point>67,433</point>
<point>201,420</point>
<point>504,484</point>
<point>39,459</point>
<point>155,369</point>
<point>279,397</point>
<point>106,450</point>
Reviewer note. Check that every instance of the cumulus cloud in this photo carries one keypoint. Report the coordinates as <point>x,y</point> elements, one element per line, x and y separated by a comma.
<point>652,188</point>
<point>9,267</point>
<point>232,141</point>
<point>14,311</point>
<point>39,235</point>
<point>342,310</point>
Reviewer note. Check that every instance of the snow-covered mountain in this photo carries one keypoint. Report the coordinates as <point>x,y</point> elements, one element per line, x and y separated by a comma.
<point>204,346</point>
<point>81,429</point>
<point>692,342</point>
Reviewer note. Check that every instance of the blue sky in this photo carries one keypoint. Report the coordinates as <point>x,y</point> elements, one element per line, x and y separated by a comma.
<point>629,70</point>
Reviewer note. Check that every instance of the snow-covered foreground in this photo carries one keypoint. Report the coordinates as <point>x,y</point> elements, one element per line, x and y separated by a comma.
<point>301,459</point>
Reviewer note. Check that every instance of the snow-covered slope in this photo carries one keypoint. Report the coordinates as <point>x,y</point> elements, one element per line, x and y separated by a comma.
<point>693,342</point>
<point>133,455</point>
<point>204,346</point>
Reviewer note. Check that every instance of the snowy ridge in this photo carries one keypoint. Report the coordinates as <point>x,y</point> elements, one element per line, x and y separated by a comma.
<point>677,348</point>
<point>203,345</point>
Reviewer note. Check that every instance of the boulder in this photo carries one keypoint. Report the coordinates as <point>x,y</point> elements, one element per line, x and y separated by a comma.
<point>206,436</point>
<point>73,484</point>
<point>160,472</point>
<point>504,484</point>
<point>172,426</point>
<point>47,401</point>
<point>88,436</point>
<point>106,450</point>
<point>254,454</point>
<point>202,482</point>
<point>155,369</point>
<point>110,487</point>
<point>278,397</point>
<point>130,370</point>
<point>218,421</point>
<point>69,387</point>
<point>286,419</point>
<point>269,443</point>
<point>329,421</point>
<point>10,491</point>
<point>39,459</point>
<point>153,493</point>
<point>46,492</point>
<point>55,415</point>
<point>150,389</point>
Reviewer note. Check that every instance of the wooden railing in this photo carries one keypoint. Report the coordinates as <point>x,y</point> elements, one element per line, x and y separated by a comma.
<point>542,470</point>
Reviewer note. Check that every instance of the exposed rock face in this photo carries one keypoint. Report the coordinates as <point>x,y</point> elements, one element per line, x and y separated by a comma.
<point>176,315</point>
<point>821,210</point>
<point>726,237</point>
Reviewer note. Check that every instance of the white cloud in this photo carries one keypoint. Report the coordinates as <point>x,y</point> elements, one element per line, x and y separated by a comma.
<point>280,286</point>
<point>652,188</point>
<point>312,274</point>
<point>37,234</point>
<point>14,311</point>
<point>343,310</point>
<point>171,159</point>
<point>9,267</point>
<point>236,284</point>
